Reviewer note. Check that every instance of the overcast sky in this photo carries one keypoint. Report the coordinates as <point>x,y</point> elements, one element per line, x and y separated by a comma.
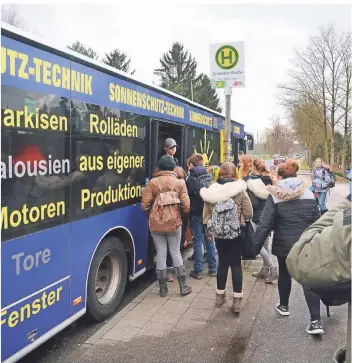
<point>270,33</point>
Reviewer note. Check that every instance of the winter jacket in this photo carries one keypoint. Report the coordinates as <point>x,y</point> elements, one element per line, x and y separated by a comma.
<point>322,254</point>
<point>289,210</point>
<point>321,261</point>
<point>258,194</point>
<point>320,179</point>
<point>167,181</point>
<point>223,190</point>
<point>198,178</point>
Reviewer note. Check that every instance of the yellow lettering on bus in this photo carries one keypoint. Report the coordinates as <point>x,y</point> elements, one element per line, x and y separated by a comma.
<point>46,73</point>
<point>75,84</point>
<point>13,319</point>
<point>88,84</point>
<point>56,75</point>
<point>38,65</point>
<point>3,60</point>
<point>22,69</point>
<point>12,55</point>
<point>66,78</point>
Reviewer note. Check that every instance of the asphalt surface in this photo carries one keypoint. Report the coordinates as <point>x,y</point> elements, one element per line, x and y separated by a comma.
<point>277,339</point>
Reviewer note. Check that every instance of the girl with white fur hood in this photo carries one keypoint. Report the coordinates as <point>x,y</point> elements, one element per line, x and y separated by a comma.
<point>226,188</point>
<point>258,182</point>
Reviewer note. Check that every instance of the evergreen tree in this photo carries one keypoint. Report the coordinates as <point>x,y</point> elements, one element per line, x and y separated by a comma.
<point>178,73</point>
<point>80,48</point>
<point>118,60</point>
<point>178,68</point>
<point>205,93</point>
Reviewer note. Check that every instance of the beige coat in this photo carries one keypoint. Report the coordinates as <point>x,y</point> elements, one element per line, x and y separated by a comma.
<point>221,193</point>
<point>167,180</point>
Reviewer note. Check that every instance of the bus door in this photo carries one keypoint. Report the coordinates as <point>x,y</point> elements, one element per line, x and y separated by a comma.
<point>235,145</point>
<point>243,145</point>
<point>160,131</point>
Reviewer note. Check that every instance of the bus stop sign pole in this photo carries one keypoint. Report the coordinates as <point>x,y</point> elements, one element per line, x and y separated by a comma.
<point>228,93</point>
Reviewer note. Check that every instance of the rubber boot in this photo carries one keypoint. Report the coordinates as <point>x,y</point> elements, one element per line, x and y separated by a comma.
<point>181,277</point>
<point>162,279</point>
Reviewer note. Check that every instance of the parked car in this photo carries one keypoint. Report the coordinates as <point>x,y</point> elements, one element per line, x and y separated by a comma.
<point>279,159</point>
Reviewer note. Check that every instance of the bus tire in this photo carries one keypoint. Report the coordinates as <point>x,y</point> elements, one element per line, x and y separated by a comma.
<point>107,278</point>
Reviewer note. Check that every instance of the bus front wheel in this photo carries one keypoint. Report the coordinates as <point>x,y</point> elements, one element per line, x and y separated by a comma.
<point>107,278</point>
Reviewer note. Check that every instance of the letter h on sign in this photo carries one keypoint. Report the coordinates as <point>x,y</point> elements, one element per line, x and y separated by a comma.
<point>228,56</point>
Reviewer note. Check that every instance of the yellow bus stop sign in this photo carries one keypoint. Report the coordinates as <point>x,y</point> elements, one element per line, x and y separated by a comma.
<point>226,57</point>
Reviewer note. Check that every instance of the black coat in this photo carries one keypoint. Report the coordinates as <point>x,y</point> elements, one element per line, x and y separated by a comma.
<point>289,210</point>
<point>198,178</point>
<point>258,194</point>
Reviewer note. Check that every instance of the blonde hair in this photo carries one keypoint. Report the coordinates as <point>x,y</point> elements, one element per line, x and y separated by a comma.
<point>228,170</point>
<point>288,169</point>
<point>181,174</point>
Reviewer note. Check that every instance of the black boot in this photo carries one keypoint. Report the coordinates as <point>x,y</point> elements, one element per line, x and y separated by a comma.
<point>323,212</point>
<point>162,279</point>
<point>181,277</point>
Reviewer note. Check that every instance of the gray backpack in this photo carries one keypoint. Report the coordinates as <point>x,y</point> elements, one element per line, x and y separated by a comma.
<point>224,222</point>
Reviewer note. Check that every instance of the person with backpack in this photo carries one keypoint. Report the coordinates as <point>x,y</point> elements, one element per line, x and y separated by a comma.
<point>321,178</point>
<point>199,178</point>
<point>257,183</point>
<point>321,260</point>
<point>227,207</point>
<point>289,210</point>
<point>181,174</point>
<point>165,201</point>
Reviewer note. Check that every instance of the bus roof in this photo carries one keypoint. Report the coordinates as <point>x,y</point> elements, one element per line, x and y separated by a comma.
<point>31,39</point>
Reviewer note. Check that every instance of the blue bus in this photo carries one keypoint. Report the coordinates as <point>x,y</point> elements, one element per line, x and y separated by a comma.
<point>79,140</point>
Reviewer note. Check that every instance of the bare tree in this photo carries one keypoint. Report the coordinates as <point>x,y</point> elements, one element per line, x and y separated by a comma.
<point>279,137</point>
<point>11,15</point>
<point>308,132</point>
<point>317,77</point>
<point>347,91</point>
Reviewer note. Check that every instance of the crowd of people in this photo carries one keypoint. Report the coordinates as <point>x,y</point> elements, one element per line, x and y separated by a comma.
<point>215,204</point>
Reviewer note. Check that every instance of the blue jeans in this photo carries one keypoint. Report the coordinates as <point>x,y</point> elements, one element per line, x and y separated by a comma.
<point>322,200</point>
<point>199,235</point>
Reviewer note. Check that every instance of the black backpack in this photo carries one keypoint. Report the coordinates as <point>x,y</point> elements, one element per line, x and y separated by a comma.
<point>336,295</point>
<point>332,176</point>
<point>202,181</point>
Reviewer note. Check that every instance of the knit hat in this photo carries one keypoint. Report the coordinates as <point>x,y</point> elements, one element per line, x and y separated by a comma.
<point>166,162</point>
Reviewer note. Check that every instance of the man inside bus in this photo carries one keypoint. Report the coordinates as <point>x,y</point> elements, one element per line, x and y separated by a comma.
<point>170,147</point>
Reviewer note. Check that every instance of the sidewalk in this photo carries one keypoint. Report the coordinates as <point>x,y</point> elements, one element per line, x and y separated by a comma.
<point>189,329</point>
